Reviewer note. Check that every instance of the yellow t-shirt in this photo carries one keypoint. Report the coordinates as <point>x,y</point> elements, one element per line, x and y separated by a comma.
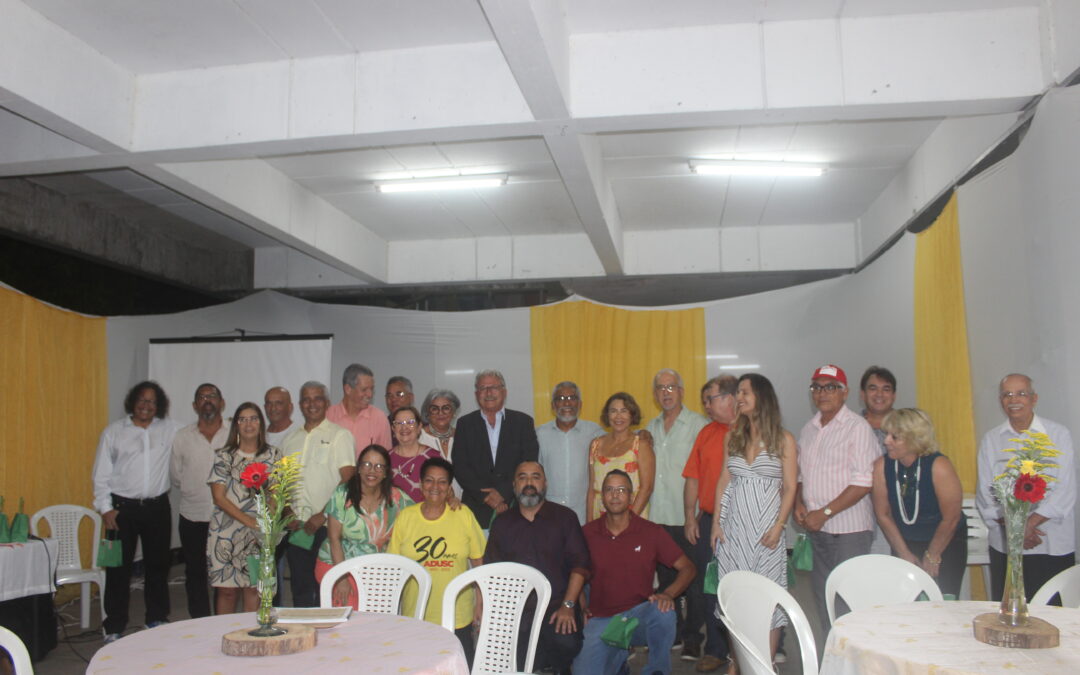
<point>443,547</point>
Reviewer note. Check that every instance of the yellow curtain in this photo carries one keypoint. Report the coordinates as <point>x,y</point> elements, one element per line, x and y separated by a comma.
<point>608,349</point>
<point>54,375</point>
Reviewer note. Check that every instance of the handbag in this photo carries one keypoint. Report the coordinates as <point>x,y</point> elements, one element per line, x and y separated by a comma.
<point>619,630</point>
<point>712,577</point>
<point>110,551</point>
<point>802,554</point>
<point>20,526</point>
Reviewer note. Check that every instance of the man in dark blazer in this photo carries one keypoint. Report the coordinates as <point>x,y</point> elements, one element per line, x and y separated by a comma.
<point>489,443</point>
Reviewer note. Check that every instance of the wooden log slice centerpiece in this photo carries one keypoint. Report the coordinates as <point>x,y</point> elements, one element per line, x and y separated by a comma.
<point>1035,634</point>
<point>297,638</point>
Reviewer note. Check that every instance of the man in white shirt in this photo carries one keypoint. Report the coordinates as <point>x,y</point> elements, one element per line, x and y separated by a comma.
<point>1050,537</point>
<point>837,450</point>
<point>279,409</point>
<point>326,459</point>
<point>190,466</point>
<point>564,449</point>
<point>131,491</point>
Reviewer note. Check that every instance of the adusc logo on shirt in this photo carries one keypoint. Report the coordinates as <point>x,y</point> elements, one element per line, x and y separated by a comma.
<point>432,552</point>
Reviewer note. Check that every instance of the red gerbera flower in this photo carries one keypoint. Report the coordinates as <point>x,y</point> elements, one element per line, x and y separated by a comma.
<point>1030,488</point>
<point>254,475</point>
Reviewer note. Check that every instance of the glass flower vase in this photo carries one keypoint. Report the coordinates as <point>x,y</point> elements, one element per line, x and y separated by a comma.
<point>266,616</point>
<point>1014,611</point>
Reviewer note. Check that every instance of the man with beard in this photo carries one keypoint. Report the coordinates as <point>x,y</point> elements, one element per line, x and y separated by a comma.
<point>190,465</point>
<point>564,449</point>
<point>546,536</point>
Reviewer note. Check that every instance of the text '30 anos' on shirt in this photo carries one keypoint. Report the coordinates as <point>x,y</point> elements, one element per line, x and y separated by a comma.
<point>132,462</point>
<point>672,448</point>
<point>832,457</point>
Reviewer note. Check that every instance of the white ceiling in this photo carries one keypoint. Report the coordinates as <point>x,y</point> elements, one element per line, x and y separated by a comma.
<point>592,107</point>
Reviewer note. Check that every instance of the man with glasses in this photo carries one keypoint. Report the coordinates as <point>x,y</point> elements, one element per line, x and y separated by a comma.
<point>624,551</point>
<point>1050,535</point>
<point>702,472</point>
<point>365,422</point>
<point>488,445</point>
<point>674,431</point>
<point>191,463</point>
<point>326,459</point>
<point>564,449</point>
<point>837,449</point>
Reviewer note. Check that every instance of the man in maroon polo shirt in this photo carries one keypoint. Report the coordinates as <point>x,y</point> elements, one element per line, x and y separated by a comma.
<point>624,550</point>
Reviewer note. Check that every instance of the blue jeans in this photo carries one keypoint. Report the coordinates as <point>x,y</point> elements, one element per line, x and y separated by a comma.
<point>656,629</point>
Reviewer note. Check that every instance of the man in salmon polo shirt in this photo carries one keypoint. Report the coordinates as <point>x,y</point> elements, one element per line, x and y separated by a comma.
<point>367,423</point>
<point>702,472</point>
<point>837,449</point>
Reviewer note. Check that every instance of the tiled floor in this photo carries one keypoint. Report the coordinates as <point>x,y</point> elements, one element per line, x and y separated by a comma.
<point>75,648</point>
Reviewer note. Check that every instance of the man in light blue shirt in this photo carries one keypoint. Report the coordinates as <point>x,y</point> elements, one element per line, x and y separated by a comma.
<point>564,449</point>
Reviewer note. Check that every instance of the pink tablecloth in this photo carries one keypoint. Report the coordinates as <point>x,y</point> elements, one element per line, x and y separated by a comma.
<point>366,643</point>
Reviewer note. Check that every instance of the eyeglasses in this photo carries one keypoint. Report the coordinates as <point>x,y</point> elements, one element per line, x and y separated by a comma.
<point>436,409</point>
<point>830,388</point>
<point>247,419</point>
<point>207,397</point>
<point>397,394</point>
<point>405,423</point>
<point>367,466</point>
<point>669,388</point>
<point>710,399</point>
<point>566,399</point>
<point>616,490</point>
<point>493,387</point>
<point>1010,395</point>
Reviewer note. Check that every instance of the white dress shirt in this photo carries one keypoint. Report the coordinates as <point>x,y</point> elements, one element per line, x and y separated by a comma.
<point>192,461</point>
<point>132,462</point>
<point>493,431</point>
<point>565,458</point>
<point>1059,502</point>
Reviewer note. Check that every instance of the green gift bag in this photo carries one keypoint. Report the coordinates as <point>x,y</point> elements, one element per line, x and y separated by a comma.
<point>302,539</point>
<point>20,526</point>
<point>712,577</point>
<point>5,533</point>
<point>802,555</point>
<point>253,570</point>
<point>110,551</point>
<point>619,631</point>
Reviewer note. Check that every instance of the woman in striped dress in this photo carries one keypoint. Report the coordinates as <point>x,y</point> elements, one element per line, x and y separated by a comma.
<point>756,490</point>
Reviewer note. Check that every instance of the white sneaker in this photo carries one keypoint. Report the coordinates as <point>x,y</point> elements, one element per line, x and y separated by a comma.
<point>111,637</point>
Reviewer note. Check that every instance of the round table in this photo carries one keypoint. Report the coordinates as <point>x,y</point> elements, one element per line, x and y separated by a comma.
<point>366,643</point>
<point>925,637</point>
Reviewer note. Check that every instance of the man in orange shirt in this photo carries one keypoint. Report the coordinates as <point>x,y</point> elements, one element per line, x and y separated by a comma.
<point>699,494</point>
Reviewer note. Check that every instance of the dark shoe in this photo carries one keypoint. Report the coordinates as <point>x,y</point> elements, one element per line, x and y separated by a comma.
<point>155,624</point>
<point>709,663</point>
<point>691,651</point>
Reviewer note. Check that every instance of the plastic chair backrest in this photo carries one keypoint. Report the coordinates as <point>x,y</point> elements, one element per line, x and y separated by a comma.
<point>380,579</point>
<point>749,660</point>
<point>976,528</point>
<point>63,520</point>
<point>873,579</point>
<point>504,588</point>
<point>748,599</point>
<point>1067,583</point>
<point>20,658</point>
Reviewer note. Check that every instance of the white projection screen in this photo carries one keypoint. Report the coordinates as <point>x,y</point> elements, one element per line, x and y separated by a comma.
<point>242,367</point>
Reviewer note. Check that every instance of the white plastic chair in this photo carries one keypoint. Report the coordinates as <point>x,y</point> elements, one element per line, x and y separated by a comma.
<point>63,520</point>
<point>504,588</point>
<point>380,578</point>
<point>20,658</point>
<point>748,599</point>
<point>750,662</point>
<point>1066,582</point>
<point>868,580</point>
<point>978,545</point>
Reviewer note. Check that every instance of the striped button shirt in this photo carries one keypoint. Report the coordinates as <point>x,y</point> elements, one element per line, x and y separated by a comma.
<point>832,457</point>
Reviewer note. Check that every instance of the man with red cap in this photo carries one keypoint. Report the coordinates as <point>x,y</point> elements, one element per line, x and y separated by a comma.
<point>837,449</point>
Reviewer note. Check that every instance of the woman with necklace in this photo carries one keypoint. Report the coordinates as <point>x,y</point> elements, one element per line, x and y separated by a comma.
<point>440,408</point>
<point>756,491</point>
<point>409,454</point>
<point>917,498</point>
<point>625,449</point>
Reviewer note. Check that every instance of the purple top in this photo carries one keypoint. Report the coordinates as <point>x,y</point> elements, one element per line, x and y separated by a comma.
<point>407,471</point>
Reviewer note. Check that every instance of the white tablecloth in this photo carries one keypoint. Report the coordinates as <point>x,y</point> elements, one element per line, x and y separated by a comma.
<point>937,637</point>
<point>366,643</point>
<point>27,569</point>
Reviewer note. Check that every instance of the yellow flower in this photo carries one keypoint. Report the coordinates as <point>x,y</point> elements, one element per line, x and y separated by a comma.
<point>1028,466</point>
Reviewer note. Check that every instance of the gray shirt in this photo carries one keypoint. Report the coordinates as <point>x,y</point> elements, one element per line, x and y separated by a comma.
<point>565,458</point>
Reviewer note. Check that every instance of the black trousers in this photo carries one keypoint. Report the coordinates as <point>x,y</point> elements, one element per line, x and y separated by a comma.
<point>1038,569</point>
<point>305,590</point>
<point>151,521</point>
<point>688,629</point>
<point>554,651</point>
<point>193,544</point>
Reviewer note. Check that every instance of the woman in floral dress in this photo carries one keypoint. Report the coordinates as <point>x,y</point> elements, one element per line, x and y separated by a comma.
<point>625,449</point>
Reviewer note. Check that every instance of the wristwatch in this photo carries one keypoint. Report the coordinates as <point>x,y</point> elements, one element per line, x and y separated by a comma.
<point>827,511</point>
<point>569,604</point>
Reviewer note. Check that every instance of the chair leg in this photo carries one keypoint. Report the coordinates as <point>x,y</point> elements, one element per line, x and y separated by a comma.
<point>101,597</point>
<point>986,581</point>
<point>84,609</point>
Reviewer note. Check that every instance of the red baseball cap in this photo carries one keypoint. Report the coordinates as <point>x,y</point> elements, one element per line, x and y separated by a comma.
<point>830,371</point>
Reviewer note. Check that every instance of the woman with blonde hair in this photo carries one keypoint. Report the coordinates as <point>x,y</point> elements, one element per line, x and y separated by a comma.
<point>756,490</point>
<point>917,498</point>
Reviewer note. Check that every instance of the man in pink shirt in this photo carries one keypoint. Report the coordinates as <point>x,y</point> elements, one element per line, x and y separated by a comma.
<point>837,449</point>
<point>364,421</point>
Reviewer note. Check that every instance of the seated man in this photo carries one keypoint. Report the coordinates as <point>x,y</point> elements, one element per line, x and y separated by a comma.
<point>624,550</point>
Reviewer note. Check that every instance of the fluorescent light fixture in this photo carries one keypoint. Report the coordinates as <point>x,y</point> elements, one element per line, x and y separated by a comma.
<point>741,366</point>
<point>449,183</point>
<point>713,357</point>
<point>460,371</point>
<point>743,168</point>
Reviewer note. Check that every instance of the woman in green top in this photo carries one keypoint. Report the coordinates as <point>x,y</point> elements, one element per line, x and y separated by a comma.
<point>360,518</point>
